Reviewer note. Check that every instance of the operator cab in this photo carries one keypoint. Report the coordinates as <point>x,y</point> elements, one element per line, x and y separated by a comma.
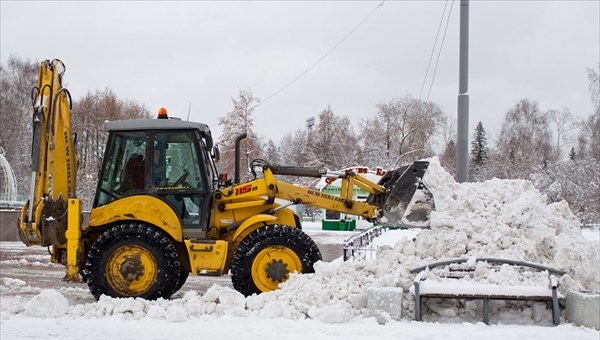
<point>165,158</point>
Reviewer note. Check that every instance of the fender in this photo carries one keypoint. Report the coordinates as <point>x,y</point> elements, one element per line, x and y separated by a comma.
<point>251,224</point>
<point>254,222</point>
<point>143,208</point>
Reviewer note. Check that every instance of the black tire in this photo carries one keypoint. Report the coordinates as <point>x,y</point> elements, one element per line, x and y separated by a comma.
<point>183,275</point>
<point>252,263</point>
<point>133,260</point>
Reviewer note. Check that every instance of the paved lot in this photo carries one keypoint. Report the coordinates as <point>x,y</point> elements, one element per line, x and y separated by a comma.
<point>33,266</point>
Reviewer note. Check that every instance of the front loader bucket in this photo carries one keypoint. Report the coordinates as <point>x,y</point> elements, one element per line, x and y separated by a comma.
<point>406,201</point>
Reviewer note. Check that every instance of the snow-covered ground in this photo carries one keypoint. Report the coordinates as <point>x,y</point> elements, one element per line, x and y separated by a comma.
<point>507,219</point>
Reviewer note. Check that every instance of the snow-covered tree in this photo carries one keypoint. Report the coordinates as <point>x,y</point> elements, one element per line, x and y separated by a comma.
<point>524,141</point>
<point>333,142</point>
<point>562,122</point>
<point>589,136</point>
<point>401,131</point>
<point>272,152</point>
<point>17,79</point>
<point>448,157</point>
<point>577,182</point>
<point>479,148</point>
<point>295,151</point>
<point>237,121</point>
<point>89,114</point>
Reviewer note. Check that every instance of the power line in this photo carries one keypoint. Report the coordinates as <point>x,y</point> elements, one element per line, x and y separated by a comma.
<point>433,49</point>
<point>440,50</point>
<point>321,58</point>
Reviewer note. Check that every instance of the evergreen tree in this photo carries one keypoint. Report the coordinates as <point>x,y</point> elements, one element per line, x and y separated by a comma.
<point>479,149</point>
<point>572,154</point>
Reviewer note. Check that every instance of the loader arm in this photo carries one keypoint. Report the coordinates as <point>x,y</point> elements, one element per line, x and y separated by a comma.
<point>52,205</point>
<point>387,203</point>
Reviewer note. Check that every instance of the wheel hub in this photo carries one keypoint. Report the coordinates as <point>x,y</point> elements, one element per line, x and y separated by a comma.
<point>277,270</point>
<point>273,265</point>
<point>132,269</point>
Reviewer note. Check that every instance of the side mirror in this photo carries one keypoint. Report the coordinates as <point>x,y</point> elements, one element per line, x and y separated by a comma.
<point>215,153</point>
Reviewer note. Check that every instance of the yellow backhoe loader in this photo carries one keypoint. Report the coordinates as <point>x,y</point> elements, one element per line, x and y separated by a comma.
<point>161,211</point>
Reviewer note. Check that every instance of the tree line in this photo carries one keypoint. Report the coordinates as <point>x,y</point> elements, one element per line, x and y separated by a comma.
<point>88,115</point>
<point>531,143</point>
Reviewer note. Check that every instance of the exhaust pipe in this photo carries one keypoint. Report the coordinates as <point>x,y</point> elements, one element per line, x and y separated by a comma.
<point>238,140</point>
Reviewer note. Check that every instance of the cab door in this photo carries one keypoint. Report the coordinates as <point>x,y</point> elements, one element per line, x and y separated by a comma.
<point>179,178</point>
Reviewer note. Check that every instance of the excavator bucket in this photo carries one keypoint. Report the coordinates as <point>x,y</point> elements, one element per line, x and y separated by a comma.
<point>406,201</point>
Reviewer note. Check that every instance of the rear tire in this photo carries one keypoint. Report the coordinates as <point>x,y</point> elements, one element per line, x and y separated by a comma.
<point>268,255</point>
<point>133,260</point>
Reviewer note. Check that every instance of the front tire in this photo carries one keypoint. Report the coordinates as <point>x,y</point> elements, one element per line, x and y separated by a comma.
<point>133,260</point>
<point>267,256</point>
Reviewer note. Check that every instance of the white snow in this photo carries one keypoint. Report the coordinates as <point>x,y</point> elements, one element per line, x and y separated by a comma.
<point>498,218</point>
<point>48,304</point>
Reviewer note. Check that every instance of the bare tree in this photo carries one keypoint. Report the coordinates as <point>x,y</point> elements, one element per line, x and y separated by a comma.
<point>562,122</point>
<point>524,142</point>
<point>333,142</point>
<point>295,151</point>
<point>575,181</point>
<point>272,152</point>
<point>448,157</point>
<point>89,114</point>
<point>401,131</point>
<point>594,79</point>
<point>17,79</point>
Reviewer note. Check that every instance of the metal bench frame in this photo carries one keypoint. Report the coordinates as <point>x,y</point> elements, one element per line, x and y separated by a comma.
<point>487,297</point>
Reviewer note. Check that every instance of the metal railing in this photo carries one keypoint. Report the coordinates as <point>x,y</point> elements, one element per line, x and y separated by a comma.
<point>360,247</point>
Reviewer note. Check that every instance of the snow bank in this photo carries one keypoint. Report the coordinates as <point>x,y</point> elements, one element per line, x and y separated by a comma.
<point>497,218</point>
<point>49,303</point>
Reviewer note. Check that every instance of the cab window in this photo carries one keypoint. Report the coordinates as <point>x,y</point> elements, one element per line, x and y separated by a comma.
<point>124,169</point>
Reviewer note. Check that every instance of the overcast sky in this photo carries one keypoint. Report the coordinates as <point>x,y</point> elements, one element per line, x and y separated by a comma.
<point>175,53</point>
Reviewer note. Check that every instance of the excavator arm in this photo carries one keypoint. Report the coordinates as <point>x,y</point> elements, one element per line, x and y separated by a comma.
<point>52,208</point>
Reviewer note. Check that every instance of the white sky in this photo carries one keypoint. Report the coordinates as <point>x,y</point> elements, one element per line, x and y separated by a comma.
<point>173,53</point>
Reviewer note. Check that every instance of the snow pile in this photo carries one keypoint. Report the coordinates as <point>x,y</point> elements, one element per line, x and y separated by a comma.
<point>220,301</point>
<point>499,218</point>
<point>49,303</point>
<point>506,219</point>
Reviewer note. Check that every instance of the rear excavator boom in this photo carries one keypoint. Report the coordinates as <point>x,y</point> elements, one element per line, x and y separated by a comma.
<point>54,164</point>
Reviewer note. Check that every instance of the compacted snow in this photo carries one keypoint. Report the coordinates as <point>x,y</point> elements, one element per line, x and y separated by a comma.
<point>498,218</point>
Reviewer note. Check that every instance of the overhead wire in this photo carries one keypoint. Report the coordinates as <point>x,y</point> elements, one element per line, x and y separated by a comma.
<point>440,50</point>
<point>433,48</point>
<point>322,57</point>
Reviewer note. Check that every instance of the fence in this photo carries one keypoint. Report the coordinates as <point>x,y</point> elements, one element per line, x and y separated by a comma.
<point>360,247</point>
